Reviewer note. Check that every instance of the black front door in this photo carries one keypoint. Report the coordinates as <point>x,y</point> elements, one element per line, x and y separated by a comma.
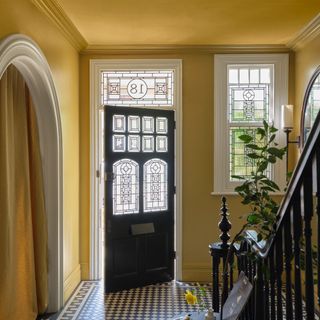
<point>139,193</point>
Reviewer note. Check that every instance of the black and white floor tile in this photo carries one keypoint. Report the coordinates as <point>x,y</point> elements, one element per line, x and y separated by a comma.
<point>154,302</point>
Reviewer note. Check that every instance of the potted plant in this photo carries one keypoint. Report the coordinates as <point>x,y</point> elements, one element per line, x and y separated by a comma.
<point>257,188</point>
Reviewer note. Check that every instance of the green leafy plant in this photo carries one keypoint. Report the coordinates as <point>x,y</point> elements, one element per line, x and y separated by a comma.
<point>255,189</point>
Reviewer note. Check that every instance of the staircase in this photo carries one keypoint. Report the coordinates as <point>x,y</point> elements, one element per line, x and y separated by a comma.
<point>285,273</point>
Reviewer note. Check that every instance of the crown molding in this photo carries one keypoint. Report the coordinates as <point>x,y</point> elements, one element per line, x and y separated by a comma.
<point>53,10</point>
<point>158,49</point>
<point>306,34</point>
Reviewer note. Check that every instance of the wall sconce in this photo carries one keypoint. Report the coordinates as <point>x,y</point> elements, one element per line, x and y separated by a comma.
<point>287,126</point>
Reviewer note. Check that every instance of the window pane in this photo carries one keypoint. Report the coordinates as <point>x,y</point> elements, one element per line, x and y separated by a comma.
<point>240,164</point>
<point>137,87</point>
<point>125,187</point>
<point>147,143</point>
<point>155,185</point>
<point>134,124</point>
<point>265,75</point>
<point>118,143</point>
<point>161,125</point>
<point>249,100</point>
<point>147,124</point>
<point>233,76</point>
<point>161,144</point>
<point>119,123</point>
<point>133,143</point>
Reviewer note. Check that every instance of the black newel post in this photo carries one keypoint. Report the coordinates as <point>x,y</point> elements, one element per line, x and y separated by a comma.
<point>218,251</point>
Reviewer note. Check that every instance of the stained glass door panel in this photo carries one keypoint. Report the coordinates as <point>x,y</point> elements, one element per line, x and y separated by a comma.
<point>139,153</point>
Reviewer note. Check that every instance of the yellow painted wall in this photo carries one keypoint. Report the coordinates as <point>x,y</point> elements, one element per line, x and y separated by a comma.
<point>307,60</point>
<point>200,209</point>
<point>21,16</point>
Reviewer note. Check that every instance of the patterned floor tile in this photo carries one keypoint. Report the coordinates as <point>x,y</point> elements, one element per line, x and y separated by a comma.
<point>154,302</point>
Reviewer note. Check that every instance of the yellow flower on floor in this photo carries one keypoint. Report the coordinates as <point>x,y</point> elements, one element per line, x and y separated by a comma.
<point>190,298</point>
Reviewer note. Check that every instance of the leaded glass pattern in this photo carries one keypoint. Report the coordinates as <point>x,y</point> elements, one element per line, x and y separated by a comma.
<point>129,136</point>
<point>133,143</point>
<point>161,125</point>
<point>119,123</point>
<point>313,103</point>
<point>137,87</point>
<point>119,143</point>
<point>133,124</point>
<point>241,165</point>
<point>125,187</point>
<point>155,185</point>
<point>147,124</point>
<point>249,94</point>
<point>250,102</point>
<point>147,143</point>
<point>161,144</point>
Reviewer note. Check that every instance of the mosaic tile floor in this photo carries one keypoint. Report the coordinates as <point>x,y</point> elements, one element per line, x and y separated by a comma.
<point>161,302</point>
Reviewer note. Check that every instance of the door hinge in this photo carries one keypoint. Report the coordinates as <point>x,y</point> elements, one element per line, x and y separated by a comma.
<point>174,124</point>
<point>174,189</point>
<point>98,173</point>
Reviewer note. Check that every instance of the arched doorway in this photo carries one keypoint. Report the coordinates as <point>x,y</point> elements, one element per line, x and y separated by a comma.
<point>27,57</point>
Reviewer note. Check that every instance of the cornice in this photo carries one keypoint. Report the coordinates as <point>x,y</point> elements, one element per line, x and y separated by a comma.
<point>159,49</point>
<point>306,34</point>
<point>53,10</point>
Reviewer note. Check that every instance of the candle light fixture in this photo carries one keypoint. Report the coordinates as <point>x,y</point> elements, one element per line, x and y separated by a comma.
<point>287,126</point>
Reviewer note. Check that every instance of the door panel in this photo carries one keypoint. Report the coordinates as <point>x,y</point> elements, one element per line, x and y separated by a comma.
<point>139,193</point>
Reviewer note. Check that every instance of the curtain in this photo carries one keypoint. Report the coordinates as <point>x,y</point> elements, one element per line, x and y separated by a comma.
<point>23,227</point>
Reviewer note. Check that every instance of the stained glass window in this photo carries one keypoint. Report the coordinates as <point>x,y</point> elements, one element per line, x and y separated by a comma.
<point>133,143</point>
<point>155,185</point>
<point>125,187</point>
<point>137,87</point>
<point>313,104</point>
<point>147,143</point>
<point>119,123</point>
<point>147,124</point>
<point>133,124</point>
<point>162,125</point>
<point>250,101</point>
<point>161,144</point>
<point>249,94</point>
<point>241,165</point>
<point>118,143</point>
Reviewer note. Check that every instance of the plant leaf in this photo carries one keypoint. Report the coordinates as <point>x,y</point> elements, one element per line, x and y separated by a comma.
<point>253,146</point>
<point>276,152</point>
<point>245,138</point>
<point>253,155</point>
<point>238,177</point>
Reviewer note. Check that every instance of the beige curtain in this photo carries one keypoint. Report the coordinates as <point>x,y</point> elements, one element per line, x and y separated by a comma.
<point>23,228</point>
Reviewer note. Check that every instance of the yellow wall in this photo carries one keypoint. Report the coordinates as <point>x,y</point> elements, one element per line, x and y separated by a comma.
<point>21,16</point>
<point>200,209</point>
<point>306,61</point>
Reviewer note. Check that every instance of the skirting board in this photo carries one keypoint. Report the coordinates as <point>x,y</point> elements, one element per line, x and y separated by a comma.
<point>71,283</point>
<point>196,272</point>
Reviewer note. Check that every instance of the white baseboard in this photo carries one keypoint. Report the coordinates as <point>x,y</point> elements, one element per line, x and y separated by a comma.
<point>71,283</point>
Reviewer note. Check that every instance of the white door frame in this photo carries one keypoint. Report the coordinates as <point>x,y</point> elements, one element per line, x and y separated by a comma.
<point>96,67</point>
<point>27,57</point>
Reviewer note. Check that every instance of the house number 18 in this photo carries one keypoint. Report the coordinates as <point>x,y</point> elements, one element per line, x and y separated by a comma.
<point>137,88</point>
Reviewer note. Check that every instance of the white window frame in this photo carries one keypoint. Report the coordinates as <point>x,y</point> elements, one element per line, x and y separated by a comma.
<point>221,156</point>
<point>96,67</point>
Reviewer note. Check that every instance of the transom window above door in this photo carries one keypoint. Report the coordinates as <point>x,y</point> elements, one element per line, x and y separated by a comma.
<point>137,88</point>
